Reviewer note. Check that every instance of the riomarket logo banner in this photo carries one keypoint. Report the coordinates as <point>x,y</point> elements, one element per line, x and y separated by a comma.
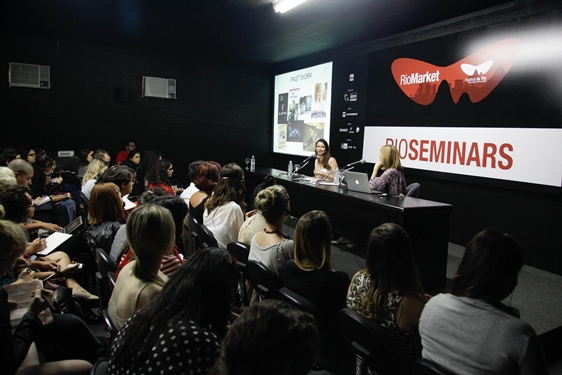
<point>517,154</point>
<point>476,75</point>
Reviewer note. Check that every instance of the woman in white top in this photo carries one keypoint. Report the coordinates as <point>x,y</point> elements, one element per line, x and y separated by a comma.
<point>270,246</point>
<point>224,210</point>
<point>325,165</point>
<point>93,172</point>
<point>151,234</point>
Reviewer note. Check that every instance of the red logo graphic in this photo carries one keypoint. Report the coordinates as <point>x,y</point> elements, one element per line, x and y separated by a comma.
<point>477,74</point>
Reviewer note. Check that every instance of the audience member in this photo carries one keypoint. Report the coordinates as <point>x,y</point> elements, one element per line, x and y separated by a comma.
<point>133,160</point>
<point>392,180</point>
<point>311,274</point>
<point>122,155</point>
<point>93,173</point>
<point>102,155</point>
<point>206,178</point>
<point>469,331</point>
<point>121,176</point>
<point>171,261</point>
<point>270,246</point>
<point>150,233</point>
<point>389,291</point>
<point>23,171</point>
<point>255,222</point>
<point>7,177</point>
<point>85,157</point>
<point>191,189</point>
<point>19,209</point>
<point>7,155</point>
<point>160,174</point>
<point>106,212</point>
<point>269,338</point>
<point>67,346</point>
<point>28,154</point>
<point>180,330</point>
<point>224,210</point>
<point>148,159</point>
<point>44,185</point>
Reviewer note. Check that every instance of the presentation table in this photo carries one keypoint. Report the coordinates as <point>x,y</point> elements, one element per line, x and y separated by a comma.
<point>353,215</point>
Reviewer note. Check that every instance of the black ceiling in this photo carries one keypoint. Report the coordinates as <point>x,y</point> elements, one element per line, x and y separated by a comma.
<point>247,30</point>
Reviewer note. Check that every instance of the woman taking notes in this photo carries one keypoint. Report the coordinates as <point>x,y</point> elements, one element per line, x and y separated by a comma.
<point>325,165</point>
<point>392,180</point>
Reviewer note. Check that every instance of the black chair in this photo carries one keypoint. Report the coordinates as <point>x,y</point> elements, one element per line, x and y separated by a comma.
<point>105,264</point>
<point>195,233</point>
<point>109,325</point>
<point>239,251</point>
<point>298,301</point>
<point>207,237</point>
<point>370,342</point>
<point>265,281</point>
<point>112,279</point>
<point>413,190</point>
<point>100,367</point>
<point>426,367</point>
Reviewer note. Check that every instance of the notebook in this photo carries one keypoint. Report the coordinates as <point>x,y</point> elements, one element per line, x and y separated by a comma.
<point>357,181</point>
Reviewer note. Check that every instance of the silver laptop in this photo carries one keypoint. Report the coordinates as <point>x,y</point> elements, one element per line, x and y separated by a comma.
<point>75,224</point>
<point>358,181</point>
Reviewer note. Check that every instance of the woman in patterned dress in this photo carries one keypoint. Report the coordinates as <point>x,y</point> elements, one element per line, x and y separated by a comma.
<point>389,291</point>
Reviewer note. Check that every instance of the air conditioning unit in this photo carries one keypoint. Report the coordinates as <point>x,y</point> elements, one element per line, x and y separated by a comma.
<point>158,87</point>
<point>29,75</point>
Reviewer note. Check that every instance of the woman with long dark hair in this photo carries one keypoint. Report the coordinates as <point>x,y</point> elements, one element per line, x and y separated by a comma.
<point>180,330</point>
<point>389,290</point>
<point>325,165</point>
<point>224,211</point>
<point>160,174</point>
<point>469,330</point>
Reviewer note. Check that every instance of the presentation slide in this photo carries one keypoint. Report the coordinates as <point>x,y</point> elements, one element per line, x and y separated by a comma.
<point>302,109</point>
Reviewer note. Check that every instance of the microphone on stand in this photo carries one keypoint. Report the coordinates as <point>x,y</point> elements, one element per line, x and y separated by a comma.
<point>362,161</point>
<point>305,162</point>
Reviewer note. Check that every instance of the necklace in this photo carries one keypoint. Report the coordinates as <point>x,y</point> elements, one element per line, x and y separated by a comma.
<point>276,232</point>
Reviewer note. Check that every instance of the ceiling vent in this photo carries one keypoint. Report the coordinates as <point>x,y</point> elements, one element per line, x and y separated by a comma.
<point>158,87</point>
<point>29,75</point>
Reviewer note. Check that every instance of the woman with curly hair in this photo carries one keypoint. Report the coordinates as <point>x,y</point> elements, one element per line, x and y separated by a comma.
<point>389,290</point>
<point>224,211</point>
<point>207,177</point>
<point>160,174</point>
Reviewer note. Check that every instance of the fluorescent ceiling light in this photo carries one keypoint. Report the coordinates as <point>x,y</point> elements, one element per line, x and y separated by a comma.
<point>282,6</point>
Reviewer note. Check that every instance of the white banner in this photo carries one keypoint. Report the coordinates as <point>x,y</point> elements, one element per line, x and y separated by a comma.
<point>514,154</point>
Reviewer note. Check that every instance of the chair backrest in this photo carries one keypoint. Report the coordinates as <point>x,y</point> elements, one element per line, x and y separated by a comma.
<point>298,301</point>
<point>265,281</point>
<point>240,251</point>
<point>195,232</point>
<point>104,262</point>
<point>100,367</point>
<point>207,237</point>
<point>372,344</point>
<point>426,367</point>
<point>109,325</point>
<point>413,190</point>
<point>112,280</point>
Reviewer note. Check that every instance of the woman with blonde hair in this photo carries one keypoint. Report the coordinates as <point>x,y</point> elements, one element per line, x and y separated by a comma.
<point>270,246</point>
<point>91,176</point>
<point>151,234</point>
<point>224,211</point>
<point>392,180</point>
<point>311,274</point>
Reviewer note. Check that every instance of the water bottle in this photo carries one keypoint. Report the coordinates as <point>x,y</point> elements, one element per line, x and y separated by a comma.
<point>337,177</point>
<point>290,169</point>
<point>253,164</point>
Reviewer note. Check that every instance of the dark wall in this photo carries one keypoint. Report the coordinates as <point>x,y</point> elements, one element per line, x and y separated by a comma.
<point>222,110</point>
